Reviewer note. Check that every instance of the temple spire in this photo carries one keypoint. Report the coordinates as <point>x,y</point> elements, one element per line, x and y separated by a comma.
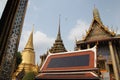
<point>29,44</point>
<point>59,33</point>
<point>96,14</point>
<point>58,46</point>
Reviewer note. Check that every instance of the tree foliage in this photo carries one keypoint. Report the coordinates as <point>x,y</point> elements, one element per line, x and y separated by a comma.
<point>29,76</point>
<point>18,59</point>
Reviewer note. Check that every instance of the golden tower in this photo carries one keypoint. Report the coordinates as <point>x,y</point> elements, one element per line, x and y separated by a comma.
<point>28,54</point>
<point>28,58</point>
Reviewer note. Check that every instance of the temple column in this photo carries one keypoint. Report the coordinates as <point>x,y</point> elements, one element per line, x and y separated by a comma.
<point>80,47</point>
<point>117,59</point>
<point>114,61</point>
<point>106,66</point>
<point>88,46</point>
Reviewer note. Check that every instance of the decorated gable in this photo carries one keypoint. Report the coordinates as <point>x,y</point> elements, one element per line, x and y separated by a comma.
<point>97,32</point>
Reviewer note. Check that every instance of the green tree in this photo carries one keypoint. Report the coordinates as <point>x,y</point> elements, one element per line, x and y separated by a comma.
<point>29,76</point>
<point>18,59</point>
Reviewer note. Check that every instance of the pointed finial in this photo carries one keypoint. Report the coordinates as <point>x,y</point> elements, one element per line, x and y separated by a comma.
<point>96,14</point>
<point>59,24</point>
<point>33,28</point>
<point>29,44</point>
<point>59,34</point>
<point>59,19</point>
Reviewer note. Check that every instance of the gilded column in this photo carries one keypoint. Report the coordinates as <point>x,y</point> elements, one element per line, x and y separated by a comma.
<point>117,59</point>
<point>114,61</point>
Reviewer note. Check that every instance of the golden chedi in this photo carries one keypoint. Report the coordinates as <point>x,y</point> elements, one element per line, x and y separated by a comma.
<point>28,58</point>
<point>28,54</point>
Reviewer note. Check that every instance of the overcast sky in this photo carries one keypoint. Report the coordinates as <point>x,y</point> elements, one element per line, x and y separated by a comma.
<point>76,17</point>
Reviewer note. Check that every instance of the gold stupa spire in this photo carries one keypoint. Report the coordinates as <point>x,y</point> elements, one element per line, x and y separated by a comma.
<point>28,54</point>
<point>28,57</point>
<point>29,44</point>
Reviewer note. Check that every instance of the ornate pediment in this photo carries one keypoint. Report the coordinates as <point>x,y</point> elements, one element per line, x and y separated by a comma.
<point>98,31</point>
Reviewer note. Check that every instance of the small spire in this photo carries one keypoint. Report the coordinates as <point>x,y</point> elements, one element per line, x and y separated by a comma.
<point>96,14</point>
<point>59,34</point>
<point>29,44</point>
<point>33,28</point>
<point>58,46</point>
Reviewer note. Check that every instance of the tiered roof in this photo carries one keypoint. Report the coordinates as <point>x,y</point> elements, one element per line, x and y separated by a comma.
<point>58,46</point>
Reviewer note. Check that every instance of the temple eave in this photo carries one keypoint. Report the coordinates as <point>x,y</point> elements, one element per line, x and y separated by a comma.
<point>99,40</point>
